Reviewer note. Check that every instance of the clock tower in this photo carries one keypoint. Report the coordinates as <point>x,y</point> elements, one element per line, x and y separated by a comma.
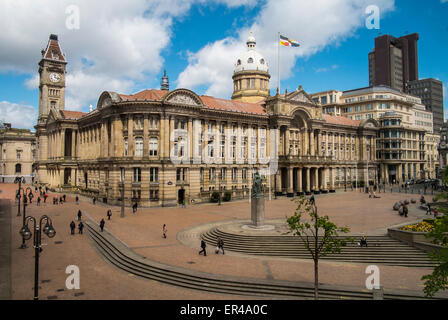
<point>52,71</point>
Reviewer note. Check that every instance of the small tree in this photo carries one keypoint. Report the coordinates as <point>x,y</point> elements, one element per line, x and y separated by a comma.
<point>320,236</point>
<point>438,280</point>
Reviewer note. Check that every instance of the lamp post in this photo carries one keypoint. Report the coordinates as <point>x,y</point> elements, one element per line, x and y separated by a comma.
<point>219,186</point>
<point>37,243</point>
<point>122,199</point>
<point>19,180</point>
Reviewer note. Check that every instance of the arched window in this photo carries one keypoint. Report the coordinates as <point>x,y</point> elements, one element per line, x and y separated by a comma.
<point>250,60</point>
<point>238,62</point>
<point>262,61</point>
<point>18,168</point>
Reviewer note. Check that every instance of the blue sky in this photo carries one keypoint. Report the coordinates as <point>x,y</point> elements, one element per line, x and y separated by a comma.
<point>197,42</point>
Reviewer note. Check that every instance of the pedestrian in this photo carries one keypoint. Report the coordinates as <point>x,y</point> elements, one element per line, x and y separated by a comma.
<point>64,197</point>
<point>219,245</point>
<point>203,246</point>
<point>109,214</point>
<point>94,200</point>
<point>60,200</point>
<point>45,197</point>
<point>55,200</point>
<point>77,200</point>
<point>183,204</point>
<point>428,209</point>
<point>79,215</point>
<point>102,223</point>
<point>72,227</point>
<point>30,196</point>
<point>134,207</point>
<point>164,230</point>
<point>422,200</point>
<point>38,201</point>
<point>436,212</point>
<point>35,189</point>
<point>363,242</point>
<point>312,199</point>
<point>80,227</point>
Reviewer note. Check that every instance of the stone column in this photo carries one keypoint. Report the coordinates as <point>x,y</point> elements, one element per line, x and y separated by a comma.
<point>316,179</point>
<point>145,135</point>
<point>62,145</point>
<point>312,147</point>
<point>131,142</point>
<point>289,180</point>
<point>299,180</point>
<point>278,177</point>
<point>319,143</point>
<point>190,140</point>
<point>332,173</point>
<point>308,180</point>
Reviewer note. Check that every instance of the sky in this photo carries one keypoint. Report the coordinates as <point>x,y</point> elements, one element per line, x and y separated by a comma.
<point>125,46</point>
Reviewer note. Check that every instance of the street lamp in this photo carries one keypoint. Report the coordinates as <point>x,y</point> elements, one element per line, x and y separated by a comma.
<point>37,243</point>
<point>19,180</point>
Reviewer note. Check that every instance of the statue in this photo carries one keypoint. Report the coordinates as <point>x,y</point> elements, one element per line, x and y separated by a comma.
<point>257,191</point>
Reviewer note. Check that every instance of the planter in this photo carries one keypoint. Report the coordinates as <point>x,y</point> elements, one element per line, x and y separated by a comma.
<point>409,237</point>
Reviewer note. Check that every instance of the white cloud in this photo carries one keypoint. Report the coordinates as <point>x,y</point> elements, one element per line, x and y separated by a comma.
<point>325,69</point>
<point>19,115</point>
<point>315,24</point>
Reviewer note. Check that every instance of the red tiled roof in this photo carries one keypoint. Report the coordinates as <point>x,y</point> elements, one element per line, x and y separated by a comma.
<point>341,120</point>
<point>230,105</point>
<point>151,94</point>
<point>72,114</point>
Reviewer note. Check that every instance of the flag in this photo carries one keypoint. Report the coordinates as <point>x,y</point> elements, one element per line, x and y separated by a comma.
<point>284,41</point>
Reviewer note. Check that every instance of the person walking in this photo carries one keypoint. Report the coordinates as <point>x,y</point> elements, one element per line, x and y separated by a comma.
<point>220,245</point>
<point>45,197</point>
<point>72,227</point>
<point>312,200</point>
<point>30,196</point>
<point>80,227</point>
<point>164,230</point>
<point>363,242</point>
<point>94,200</point>
<point>405,210</point>
<point>79,215</point>
<point>63,197</point>
<point>134,207</point>
<point>102,223</point>
<point>436,212</point>
<point>183,204</point>
<point>428,209</point>
<point>203,246</point>
<point>109,214</point>
<point>77,200</point>
<point>38,201</point>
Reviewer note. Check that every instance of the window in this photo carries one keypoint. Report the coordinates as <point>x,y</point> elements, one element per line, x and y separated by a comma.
<point>181,174</point>
<point>137,175</point>
<point>153,146</point>
<point>139,147</point>
<point>201,175</point>
<point>19,154</point>
<point>138,123</point>
<point>153,174</point>
<point>234,174</point>
<point>18,168</point>
<point>122,174</point>
<point>250,60</point>
<point>243,147</point>
<point>244,174</point>
<point>223,173</point>
<point>153,195</point>
<point>212,174</point>
<point>210,148</point>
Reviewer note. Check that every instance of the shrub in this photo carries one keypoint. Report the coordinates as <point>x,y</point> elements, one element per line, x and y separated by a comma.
<point>227,196</point>
<point>215,196</point>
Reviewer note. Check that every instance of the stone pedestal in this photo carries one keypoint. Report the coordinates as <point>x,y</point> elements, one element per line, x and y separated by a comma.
<point>257,212</point>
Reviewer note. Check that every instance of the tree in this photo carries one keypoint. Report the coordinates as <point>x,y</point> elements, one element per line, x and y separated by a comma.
<point>319,235</point>
<point>438,280</point>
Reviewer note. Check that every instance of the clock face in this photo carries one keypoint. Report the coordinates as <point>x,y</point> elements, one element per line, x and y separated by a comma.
<point>55,77</point>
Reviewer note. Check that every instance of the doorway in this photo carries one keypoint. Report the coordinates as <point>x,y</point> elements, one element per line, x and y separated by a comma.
<point>180,196</point>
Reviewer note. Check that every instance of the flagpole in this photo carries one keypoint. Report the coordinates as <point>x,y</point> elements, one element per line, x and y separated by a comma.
<point>278,62</point>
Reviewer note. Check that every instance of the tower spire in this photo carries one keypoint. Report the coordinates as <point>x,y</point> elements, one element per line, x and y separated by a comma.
<point>165,84</point>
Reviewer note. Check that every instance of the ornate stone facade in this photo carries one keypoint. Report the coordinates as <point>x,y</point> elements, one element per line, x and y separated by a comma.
<point>161,147</point>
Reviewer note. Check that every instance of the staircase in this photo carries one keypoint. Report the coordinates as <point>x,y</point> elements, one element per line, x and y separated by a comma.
<point>380,250</point>
<point>127,260</point>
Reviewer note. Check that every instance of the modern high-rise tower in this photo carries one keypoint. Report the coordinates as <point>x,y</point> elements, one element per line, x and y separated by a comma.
<point>394,61</point>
